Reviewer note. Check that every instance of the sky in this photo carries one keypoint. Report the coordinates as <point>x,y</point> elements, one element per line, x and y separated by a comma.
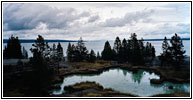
<point>96,21</point>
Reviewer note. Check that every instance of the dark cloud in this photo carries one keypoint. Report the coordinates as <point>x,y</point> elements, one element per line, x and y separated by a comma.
<point>29,16</point>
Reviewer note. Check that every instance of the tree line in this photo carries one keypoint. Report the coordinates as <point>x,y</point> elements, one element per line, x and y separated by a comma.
<point>79,52</point>
<point>133,51</point>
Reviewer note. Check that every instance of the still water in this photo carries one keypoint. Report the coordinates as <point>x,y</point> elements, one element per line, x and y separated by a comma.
<point>98,46</point>
<point>125,81</point>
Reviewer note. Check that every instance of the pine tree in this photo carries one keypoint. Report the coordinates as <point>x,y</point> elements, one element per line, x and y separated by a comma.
<point>41,47</point>
<point>60,52</point>
<point>117,45</point>
<point>123,51</point>
<point>107,52</point>
<point>92,56</point>
<point>54,52</point>
<point>177,50</point>
<point>78,52</point>
<point>153,52</point>
<point>128,53</point>
<point>73,52</point>
<point>41,71</point>
<point>69,52</point>
<point>165,57</point>
<point>98,56</point>
<point>136,54</point>
<point>13,48</point>
<point>81,51</point>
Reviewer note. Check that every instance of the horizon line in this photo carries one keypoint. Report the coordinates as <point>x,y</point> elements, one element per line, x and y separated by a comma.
<point>57,40</point>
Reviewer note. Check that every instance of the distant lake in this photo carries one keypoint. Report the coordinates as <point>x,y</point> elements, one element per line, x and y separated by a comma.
<point>99,45</point>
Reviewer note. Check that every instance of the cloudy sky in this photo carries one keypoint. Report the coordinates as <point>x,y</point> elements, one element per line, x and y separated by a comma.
<point>96,21</point>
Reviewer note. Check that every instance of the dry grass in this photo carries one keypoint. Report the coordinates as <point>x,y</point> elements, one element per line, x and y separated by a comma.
<point>84,85</point>
<point>88,65</point>
<point>79,67</point>
<point>92,89</point>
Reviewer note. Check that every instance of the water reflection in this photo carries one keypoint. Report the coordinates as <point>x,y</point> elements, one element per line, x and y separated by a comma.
<point>124,72</point>
<point>137,76</point>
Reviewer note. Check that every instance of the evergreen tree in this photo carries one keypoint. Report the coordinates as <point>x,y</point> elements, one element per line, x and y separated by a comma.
<point>41,47</point>
<point>74,52</point>
<point>117,49</point>
<point>59,55</point>
<point>117,46</point>
<point>165,57</point>
<point>107,52</point>
<point>148,50</point>
<point>69,52</point>
<point>54,52</point>
<point>92,56</point>
<point>98,56</point>
<point>177,50</point>
<point>60,52</point>
<point>136,55</point>
<point>13,48</point>
<point>40,81</point>
<point>142,49</point>
<point>153,52</point>
<point>123,51</point>
<point>81,51</point>
<point>78,52</point>
<point>129,51</point>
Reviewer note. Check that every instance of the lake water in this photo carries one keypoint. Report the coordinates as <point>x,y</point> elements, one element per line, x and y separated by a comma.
<point>98,46</point>
<point>125,81</point>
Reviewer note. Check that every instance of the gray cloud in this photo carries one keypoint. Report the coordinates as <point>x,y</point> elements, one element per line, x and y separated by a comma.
<point>95,21</point>
<point>29,16</point>
<point>129,18</point>
<point>93,18</point>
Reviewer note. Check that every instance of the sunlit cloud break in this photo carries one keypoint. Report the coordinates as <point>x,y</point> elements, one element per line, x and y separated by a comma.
<point>96,21</point>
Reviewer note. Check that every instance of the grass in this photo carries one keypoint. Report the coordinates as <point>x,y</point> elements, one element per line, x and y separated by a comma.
<point>83,67</point>
<point>83,86</point>
<point>88,65</point>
